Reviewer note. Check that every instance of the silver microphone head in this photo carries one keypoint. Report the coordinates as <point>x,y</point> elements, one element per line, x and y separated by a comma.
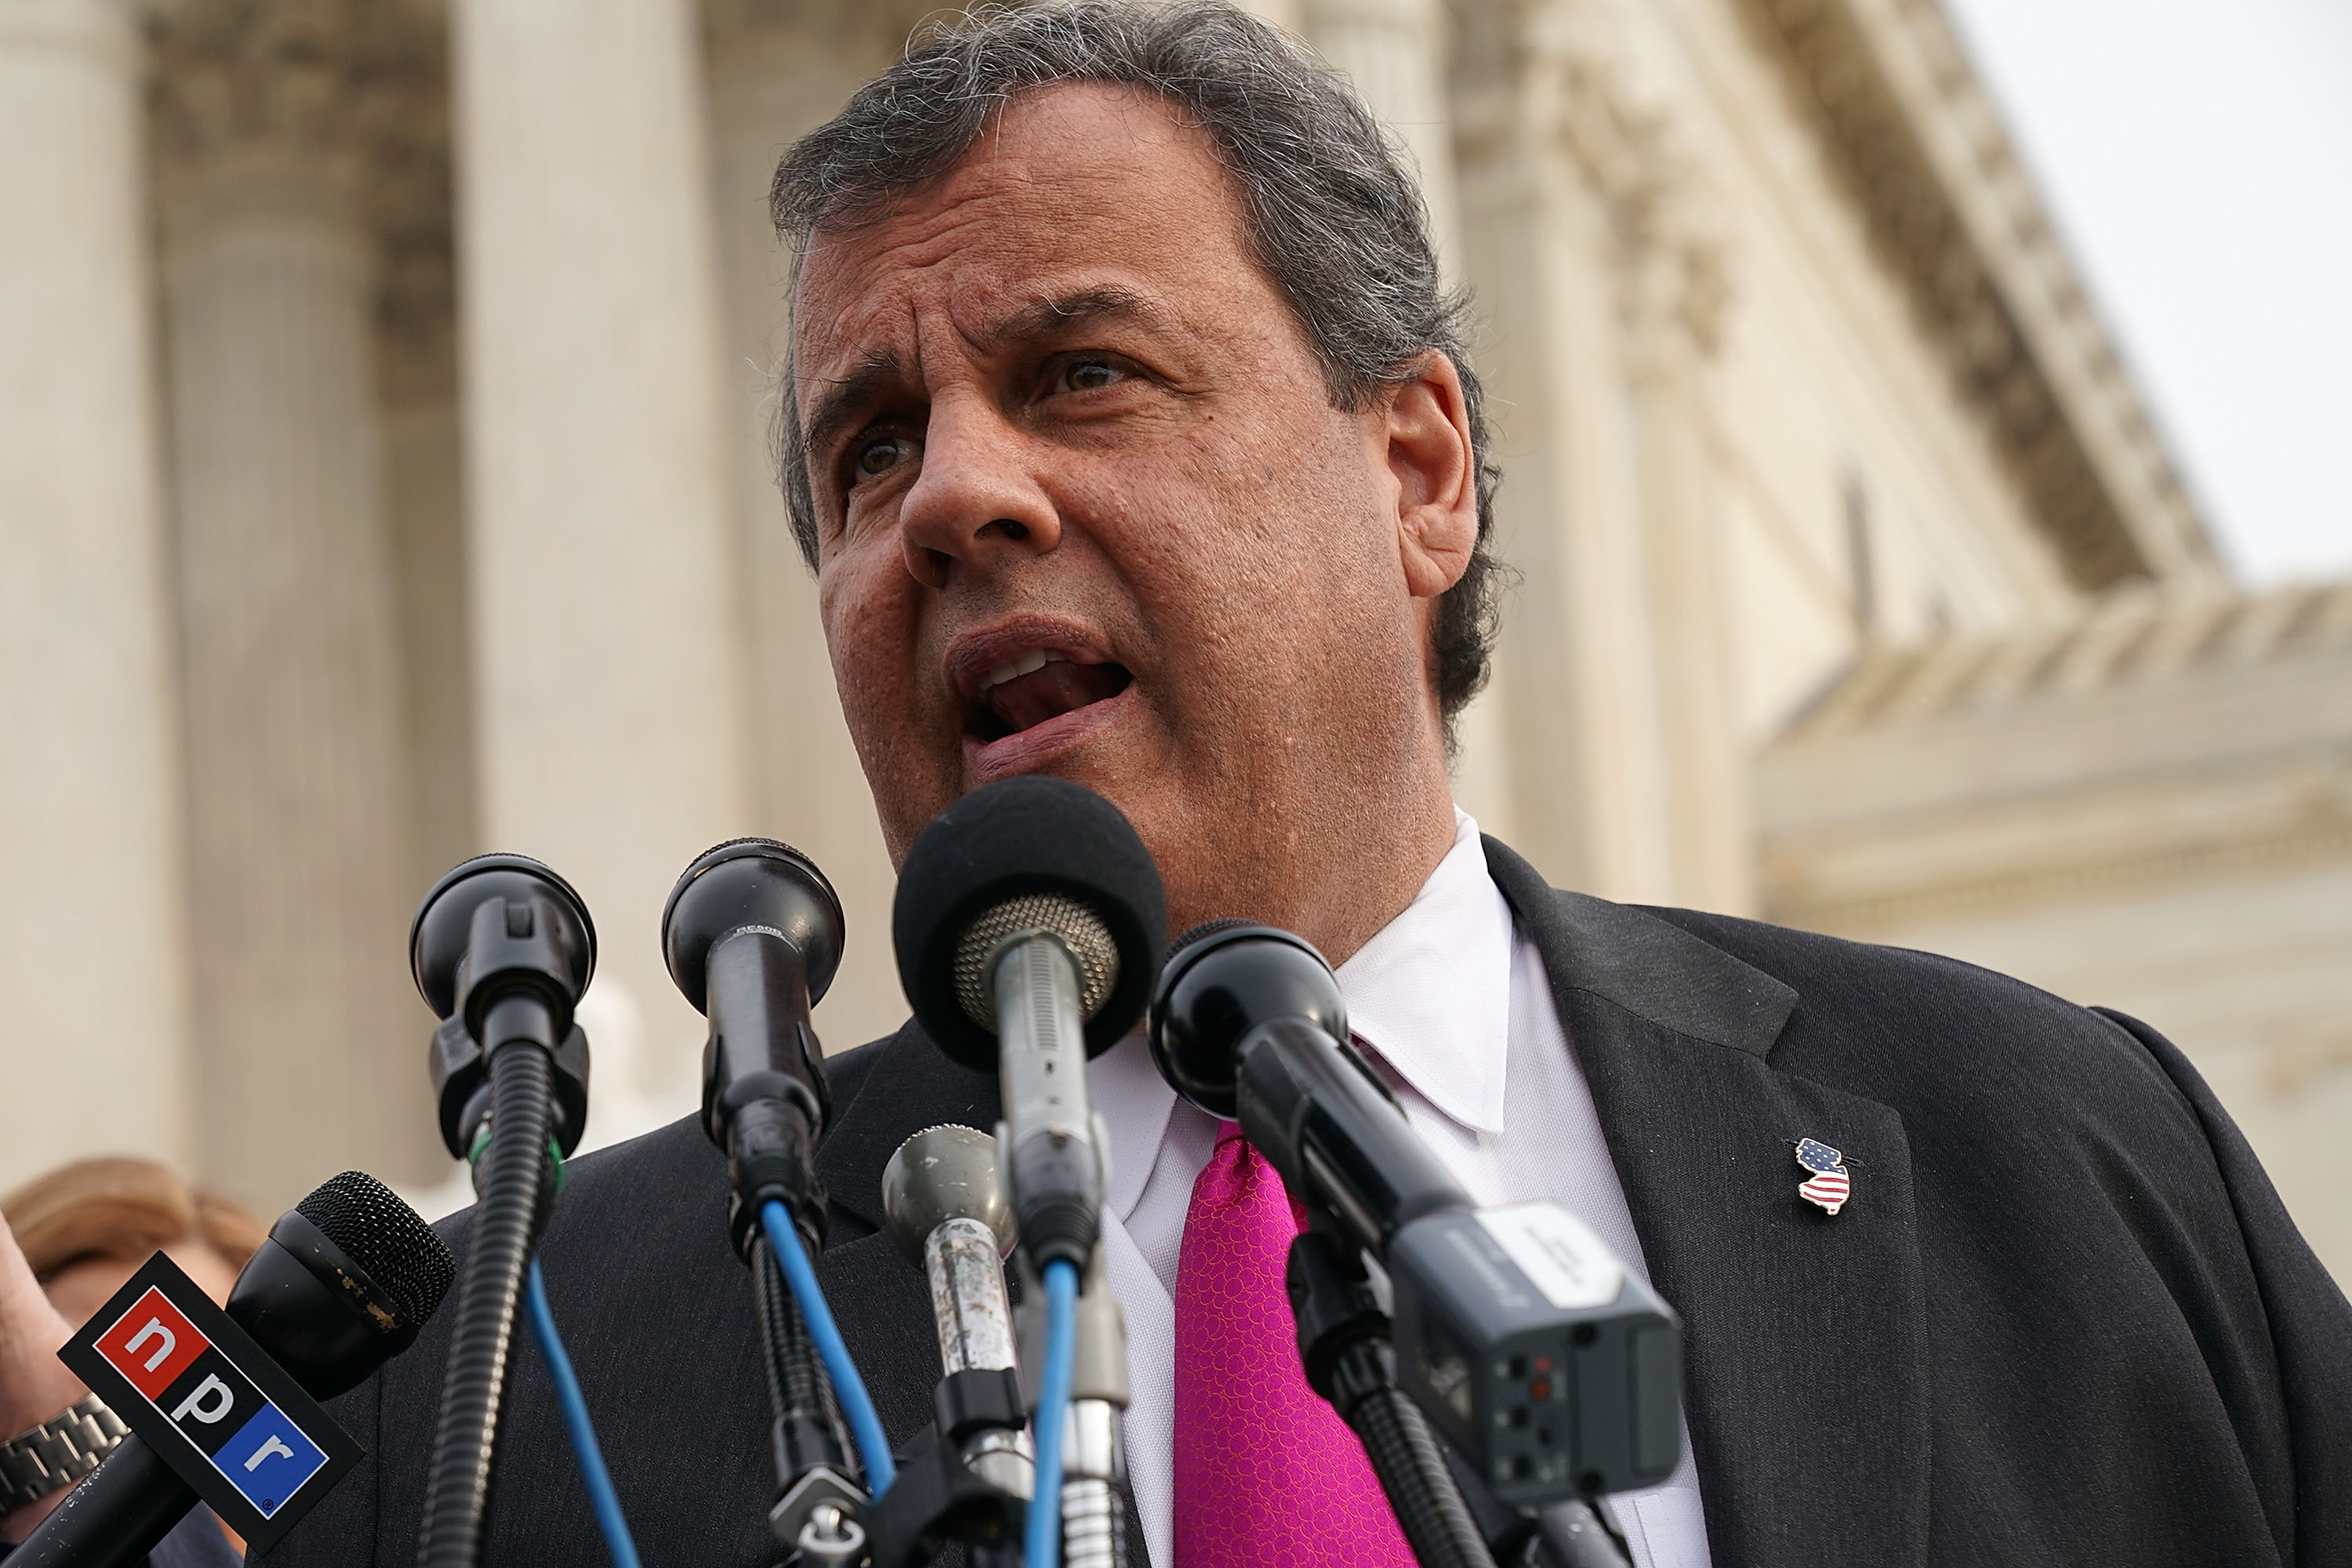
<point>1081,930</point>
<point>942,1173</point>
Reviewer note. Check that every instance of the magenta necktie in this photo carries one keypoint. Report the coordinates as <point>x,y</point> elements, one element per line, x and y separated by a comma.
<point>1267,1475</point>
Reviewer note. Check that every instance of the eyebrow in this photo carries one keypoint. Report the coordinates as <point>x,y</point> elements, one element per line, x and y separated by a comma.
<point>846,397</point>
<point>843,399</point>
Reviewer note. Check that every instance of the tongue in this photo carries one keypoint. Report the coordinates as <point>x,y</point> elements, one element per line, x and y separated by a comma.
<point>1027,700</point>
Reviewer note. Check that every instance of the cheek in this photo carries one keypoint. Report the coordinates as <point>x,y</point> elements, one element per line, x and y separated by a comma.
<point>868,607</point>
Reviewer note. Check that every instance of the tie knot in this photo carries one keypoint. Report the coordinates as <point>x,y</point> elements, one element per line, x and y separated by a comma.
<point>1228,1132</point>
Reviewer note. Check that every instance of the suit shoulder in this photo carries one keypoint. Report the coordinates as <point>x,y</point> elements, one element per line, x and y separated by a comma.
<point>1891,1017</point>
<point>1806,960</point>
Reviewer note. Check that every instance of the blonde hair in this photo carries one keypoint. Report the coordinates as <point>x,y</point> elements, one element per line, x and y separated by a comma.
<point>122,1208</point>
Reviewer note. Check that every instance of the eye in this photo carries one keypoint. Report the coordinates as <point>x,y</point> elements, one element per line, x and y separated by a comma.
<point>1090,374</point>
<point>878,457</point>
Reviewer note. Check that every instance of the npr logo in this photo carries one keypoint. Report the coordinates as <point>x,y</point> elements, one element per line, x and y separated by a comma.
<point>248,1440</point>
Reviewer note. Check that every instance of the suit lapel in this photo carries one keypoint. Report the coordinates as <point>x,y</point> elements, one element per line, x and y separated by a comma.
<point>1804,1350</point>
<point>909,1086</point>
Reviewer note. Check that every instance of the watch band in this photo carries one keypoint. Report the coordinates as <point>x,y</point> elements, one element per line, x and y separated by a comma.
<point>57,1453</point>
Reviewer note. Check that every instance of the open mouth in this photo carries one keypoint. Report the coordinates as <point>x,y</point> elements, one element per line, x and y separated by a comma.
<point>1039,686</point>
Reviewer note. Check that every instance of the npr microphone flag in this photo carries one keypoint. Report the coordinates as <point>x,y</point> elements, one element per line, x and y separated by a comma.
<point>230,1420</point>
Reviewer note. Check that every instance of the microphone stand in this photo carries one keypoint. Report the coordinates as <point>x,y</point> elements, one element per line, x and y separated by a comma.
<point>1094,1459</point>
<point>817,1496</point>
<point>1571,1535</point>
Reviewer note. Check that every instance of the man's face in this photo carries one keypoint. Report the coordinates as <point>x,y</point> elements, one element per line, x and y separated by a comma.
<point>1086,509</point>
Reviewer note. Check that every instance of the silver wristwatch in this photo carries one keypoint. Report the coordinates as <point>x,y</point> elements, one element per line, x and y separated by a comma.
<point>57,1454</point>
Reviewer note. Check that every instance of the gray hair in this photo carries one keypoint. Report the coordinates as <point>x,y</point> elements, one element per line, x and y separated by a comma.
<point>1333,215</point>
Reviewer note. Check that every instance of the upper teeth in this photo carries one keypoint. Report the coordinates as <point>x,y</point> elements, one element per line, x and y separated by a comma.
<point>1035,659</point>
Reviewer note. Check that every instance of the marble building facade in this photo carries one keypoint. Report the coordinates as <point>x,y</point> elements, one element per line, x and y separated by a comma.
<point>387,473</point>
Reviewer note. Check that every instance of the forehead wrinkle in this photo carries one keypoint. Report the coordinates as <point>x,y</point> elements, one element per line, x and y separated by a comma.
<point>1075,309</point>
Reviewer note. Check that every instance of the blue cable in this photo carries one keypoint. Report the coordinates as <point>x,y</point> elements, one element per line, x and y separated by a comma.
<point>601,1496</point>
<point>1041,1546</point>
<point>856,1408</point>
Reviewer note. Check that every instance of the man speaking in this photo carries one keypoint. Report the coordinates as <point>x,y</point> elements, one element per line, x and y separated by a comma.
<point>1132,441</point>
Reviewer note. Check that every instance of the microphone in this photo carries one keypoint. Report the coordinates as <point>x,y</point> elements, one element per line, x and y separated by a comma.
<point>502,949</point>
<point>344,1283</point>
<point>948,1213</point>
<point>752,934</point>
<point>1028,926</point>
<point>505,944</point>
<point>1546,1362</point>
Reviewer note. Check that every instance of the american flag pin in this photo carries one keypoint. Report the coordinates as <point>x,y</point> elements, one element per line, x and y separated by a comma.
<point>1827,1185</point>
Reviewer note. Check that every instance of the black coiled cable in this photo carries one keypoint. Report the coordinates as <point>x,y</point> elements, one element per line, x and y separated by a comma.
<point>800,1396</point>
<point>511,1181</point>
<point>1405,1457</point>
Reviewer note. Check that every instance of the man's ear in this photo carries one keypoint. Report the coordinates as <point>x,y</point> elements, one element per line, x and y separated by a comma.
<point>1435,470</point>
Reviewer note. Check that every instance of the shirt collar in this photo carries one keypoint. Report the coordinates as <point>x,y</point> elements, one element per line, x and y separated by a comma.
<point>1134,1101</point>
<point>1431,991</point>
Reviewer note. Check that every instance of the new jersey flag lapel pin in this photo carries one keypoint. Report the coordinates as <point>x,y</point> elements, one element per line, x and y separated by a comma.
<point>1827,1185</point>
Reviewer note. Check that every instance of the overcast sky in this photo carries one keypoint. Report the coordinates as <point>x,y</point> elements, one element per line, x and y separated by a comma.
<point>2199,156</point>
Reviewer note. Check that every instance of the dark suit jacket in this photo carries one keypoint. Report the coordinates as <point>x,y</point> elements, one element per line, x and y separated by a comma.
<point>2063,1319</point>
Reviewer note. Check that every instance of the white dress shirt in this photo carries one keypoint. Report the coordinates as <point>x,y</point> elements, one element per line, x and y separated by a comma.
<point>1459,1011</point>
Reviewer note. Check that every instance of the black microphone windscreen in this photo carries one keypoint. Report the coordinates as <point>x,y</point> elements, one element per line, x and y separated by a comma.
<point>1011,840</point>
<point>385,1237</point>
<point>751,882</point>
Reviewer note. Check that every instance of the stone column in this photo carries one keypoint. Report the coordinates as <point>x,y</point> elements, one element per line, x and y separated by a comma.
<point>1395,51</point>
<point>410,209</point>
<point>776,72</point>
<point>92,962</point>
<point>608,712</point>
<point>299,811</point>
<point>1577,687</point>
<point>1674,298</point>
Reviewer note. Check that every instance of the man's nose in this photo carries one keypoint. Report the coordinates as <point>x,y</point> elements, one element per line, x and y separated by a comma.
<point>977,505</point>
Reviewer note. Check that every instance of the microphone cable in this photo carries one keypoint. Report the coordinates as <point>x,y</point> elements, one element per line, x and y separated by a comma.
<point>576,1425</point>
<point>1041,1543</point>
<point>848,1387</point>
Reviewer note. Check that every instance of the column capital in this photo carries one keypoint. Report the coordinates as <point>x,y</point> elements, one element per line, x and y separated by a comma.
<point>318,86</point>
<point>1549,86</point>
<point>328,115</point>
<point>225,74</point>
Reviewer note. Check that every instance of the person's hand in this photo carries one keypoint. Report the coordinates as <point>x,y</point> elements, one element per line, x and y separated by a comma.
<point>35,1386</point>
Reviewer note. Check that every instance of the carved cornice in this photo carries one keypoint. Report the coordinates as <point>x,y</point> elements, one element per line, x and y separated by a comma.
<point>2157,739</point>
<point>2136,636</point>
<point>1948,205</point>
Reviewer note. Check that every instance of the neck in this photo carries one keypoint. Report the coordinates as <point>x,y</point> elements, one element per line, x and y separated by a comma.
<point>1382,871</point>
<point>1341,862</point>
